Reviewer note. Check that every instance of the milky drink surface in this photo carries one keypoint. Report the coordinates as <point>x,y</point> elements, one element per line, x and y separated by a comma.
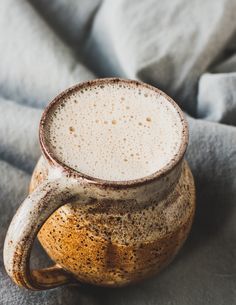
<point>115,132</point>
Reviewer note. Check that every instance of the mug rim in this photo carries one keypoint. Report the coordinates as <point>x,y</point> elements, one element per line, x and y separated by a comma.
<point>110,183</point>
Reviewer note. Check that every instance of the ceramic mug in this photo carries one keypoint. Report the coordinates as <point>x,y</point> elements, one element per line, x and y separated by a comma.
<point>97,231</point>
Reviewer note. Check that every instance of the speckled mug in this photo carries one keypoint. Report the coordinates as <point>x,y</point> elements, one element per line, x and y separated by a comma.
<point>97,231</point>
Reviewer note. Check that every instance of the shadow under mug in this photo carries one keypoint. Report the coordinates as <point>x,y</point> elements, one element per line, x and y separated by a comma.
<point>82,216</point>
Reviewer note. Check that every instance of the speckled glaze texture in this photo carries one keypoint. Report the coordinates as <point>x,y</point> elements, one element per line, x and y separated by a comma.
<point>107,233</point>
<point>117,243</point>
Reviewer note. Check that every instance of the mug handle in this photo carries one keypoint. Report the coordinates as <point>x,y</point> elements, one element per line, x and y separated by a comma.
<point>24,227</point>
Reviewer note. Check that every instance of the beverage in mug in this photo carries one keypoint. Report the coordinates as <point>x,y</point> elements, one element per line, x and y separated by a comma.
<point>113,194</point>
<point>114,132</point>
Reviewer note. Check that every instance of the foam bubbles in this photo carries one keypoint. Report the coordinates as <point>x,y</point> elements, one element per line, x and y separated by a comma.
<point>114,132</point>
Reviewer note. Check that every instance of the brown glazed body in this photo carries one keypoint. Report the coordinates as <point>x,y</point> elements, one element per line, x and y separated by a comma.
<point>114,243</point>
<point>108,233</point>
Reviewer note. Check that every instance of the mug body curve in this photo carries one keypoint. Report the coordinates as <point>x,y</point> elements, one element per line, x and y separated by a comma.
<point>115,242</point>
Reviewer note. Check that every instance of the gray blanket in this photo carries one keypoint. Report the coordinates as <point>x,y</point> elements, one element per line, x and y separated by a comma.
<point>186,48</point>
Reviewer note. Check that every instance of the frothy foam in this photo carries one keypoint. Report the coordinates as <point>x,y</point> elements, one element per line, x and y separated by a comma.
<point>114,131</point>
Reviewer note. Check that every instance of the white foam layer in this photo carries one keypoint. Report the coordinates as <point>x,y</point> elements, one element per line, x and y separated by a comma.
<point>115,132</point>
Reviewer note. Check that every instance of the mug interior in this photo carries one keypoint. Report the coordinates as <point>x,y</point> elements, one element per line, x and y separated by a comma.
<point>61,98</point>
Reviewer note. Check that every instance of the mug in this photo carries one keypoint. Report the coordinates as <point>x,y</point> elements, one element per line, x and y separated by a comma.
<point>107,233</point>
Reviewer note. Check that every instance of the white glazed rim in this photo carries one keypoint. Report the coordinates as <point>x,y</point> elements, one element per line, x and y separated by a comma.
<point>104,81</point>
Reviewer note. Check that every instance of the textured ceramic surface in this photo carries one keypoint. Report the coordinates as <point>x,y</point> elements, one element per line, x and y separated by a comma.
<point>114,244</point>
<point>108,233</point>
